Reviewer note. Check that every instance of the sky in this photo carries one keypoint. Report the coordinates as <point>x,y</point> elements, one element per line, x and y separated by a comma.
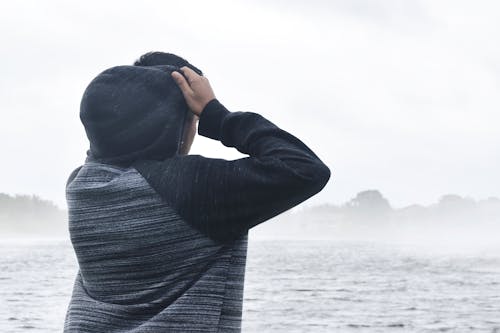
<point>398,96</point>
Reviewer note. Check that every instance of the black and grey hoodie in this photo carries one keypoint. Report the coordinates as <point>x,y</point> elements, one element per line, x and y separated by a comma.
<point>161,238</point>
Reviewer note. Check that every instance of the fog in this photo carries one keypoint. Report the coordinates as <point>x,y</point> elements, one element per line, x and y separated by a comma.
<point>453,223</point>
<point>29,217</point>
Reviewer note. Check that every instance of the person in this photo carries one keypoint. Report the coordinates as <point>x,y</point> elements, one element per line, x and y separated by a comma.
<point>161,235</point>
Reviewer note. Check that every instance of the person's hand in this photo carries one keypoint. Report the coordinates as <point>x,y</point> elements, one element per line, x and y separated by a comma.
<point>196,90</point>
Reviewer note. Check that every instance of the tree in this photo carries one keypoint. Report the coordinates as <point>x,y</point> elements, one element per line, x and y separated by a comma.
<point>369,204</point>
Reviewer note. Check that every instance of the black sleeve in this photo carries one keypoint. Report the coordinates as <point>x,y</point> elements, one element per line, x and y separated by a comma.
<point>225,198</point>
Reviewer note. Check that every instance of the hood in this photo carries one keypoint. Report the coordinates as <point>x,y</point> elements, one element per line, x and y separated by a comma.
<point>133,112</point>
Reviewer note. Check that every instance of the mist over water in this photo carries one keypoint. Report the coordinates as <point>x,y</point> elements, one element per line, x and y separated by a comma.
<point>454,224</point>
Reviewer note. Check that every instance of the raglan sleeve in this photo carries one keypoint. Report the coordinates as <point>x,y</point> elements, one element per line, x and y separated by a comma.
<point>225,198</point>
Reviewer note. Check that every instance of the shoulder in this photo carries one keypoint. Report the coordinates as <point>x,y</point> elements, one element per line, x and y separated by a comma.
<point>73,174</point>
<point>99,175</point>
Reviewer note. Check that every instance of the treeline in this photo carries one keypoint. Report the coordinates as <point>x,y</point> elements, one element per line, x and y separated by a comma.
<point>22,214</point>
<point>371,206</point>
<point>370,216</point>
<point>30,215</point>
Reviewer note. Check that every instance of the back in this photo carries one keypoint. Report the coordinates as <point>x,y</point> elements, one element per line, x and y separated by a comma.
<point>141,265</point>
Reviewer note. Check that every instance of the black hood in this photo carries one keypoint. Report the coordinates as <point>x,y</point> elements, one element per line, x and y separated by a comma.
<point>133,112</point>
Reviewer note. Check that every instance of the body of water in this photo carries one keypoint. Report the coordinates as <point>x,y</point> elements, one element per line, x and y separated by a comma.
<point>295,286</point>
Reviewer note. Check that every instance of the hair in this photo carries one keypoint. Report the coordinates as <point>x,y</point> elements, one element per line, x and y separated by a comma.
<point>155,58</point>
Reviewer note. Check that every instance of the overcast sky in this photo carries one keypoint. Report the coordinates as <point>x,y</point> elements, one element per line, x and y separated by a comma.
<point>399,96</point>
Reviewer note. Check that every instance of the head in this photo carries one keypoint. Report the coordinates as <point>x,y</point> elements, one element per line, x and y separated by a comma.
<point>133,112</point>
<point>162,58</point>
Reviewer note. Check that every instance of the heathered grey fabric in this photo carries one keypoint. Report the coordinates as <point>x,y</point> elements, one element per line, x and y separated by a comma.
<point>142,268</point>
<point>161,244</point>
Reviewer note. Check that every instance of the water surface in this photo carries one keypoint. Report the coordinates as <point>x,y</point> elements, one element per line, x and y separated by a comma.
<point>294,286</point>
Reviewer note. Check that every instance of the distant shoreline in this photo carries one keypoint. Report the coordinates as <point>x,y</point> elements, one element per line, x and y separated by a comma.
<point>367,215</point>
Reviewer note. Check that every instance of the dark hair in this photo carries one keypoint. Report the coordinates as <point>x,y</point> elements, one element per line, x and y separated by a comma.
<point>154,58</point>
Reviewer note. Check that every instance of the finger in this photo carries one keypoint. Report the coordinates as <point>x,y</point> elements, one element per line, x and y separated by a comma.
<point>190,74</point>
<point>182,83</point>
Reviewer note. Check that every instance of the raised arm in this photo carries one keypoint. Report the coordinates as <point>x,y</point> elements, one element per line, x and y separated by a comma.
<point>225,198</point>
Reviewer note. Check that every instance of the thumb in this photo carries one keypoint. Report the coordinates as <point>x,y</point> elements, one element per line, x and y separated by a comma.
<point>182,83</point>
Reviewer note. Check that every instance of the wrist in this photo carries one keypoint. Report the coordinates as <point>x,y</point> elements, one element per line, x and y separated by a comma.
<point>211,118</point>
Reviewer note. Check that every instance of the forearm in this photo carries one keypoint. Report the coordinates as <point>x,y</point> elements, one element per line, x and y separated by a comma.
<point>252,134</point>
